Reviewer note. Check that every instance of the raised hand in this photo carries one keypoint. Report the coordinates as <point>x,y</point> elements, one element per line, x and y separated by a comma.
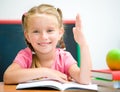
<point>78,34</point>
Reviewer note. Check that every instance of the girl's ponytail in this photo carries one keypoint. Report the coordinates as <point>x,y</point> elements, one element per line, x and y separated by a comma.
<point>35,63</point>
<point>61,43</point>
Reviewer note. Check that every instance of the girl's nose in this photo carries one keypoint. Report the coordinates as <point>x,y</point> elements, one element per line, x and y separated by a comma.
<point>44,35</point>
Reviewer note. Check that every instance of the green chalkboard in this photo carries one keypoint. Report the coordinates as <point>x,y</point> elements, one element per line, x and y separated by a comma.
<point>11,41</point>
<point>70,43</point>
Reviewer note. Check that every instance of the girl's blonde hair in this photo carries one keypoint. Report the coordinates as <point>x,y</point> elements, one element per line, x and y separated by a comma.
<point>42,9</point>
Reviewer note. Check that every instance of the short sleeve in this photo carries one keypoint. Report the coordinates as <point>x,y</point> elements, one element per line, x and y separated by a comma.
<point>68,61</point>
<point>24,58</point>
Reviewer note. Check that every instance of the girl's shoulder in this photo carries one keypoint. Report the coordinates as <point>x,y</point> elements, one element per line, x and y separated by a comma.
<point>26,51</point>
<point>64,56</point>
<point>62,52</point>
<point>24,57</point>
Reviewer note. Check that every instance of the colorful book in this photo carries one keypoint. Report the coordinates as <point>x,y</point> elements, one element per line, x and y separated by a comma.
<point>106,83</point>
<point>106,74</point>
<point>56,85</point>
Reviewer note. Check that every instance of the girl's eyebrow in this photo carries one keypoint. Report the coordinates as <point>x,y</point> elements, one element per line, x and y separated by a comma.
<point>52,27</point>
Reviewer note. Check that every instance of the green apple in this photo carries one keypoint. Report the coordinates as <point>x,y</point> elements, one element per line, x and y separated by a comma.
<point>113,59</point>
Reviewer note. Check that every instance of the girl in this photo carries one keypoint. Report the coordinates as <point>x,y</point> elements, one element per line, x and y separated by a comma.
<point>43,30</point>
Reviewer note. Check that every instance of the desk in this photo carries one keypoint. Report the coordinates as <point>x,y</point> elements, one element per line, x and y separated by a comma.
<point>12,88</point>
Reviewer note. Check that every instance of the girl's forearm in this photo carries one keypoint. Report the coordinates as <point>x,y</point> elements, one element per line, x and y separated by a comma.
<point>86,65</point>
<point>22,75</point>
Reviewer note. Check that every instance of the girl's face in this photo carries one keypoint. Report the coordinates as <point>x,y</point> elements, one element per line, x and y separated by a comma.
<point>43,32</point>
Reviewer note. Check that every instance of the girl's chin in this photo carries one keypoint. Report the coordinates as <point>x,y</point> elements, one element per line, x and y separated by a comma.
<point>45,51</point>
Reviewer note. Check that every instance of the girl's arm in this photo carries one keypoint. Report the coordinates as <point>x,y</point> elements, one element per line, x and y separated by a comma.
<point>82,75</point>
<point>15,74</point>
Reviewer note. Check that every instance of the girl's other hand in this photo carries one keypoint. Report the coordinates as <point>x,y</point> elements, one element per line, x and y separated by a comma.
<point>56,75</point>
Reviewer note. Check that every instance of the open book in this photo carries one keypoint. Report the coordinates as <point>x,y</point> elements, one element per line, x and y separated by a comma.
<point>53,84</point>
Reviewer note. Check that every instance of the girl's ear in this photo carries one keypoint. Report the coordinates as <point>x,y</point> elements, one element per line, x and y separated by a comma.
<point>61,33</point>
<point>26,36</point>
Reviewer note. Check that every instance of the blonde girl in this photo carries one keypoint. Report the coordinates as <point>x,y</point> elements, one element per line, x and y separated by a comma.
<point>43,30</point>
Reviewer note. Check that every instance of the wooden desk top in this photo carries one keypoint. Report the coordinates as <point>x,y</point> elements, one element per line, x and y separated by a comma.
<point>12,88</point>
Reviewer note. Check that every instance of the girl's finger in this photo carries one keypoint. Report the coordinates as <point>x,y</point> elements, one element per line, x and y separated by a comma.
<point>78,22</point>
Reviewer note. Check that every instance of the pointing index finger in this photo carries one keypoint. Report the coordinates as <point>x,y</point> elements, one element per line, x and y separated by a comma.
<point>78,22</point>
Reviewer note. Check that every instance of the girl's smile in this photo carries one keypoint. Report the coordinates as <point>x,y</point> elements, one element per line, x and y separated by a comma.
<point>44,44</point>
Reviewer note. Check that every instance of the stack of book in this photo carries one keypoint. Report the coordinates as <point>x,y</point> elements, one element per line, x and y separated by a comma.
<point>107,80</point>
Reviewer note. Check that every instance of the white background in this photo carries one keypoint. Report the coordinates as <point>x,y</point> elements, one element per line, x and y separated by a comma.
<point>100,21</point>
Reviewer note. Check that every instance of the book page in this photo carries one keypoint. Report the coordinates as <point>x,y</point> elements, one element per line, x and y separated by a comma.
<point>41,83</point>
<point>73,85</point>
